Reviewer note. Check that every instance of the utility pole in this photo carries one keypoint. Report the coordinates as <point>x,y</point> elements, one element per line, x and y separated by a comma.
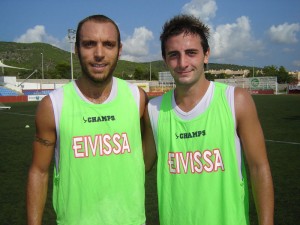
<point>150,71</point>
<point>253,68</point>
<point>2,68</point>
<point>42,66</point>
<point>72,39</point>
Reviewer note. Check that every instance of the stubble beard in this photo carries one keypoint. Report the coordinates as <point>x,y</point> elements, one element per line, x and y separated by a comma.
<point>187,81</point>
<point>105,78</point>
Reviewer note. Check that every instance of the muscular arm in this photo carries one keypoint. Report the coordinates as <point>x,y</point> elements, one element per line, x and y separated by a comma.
<point>252,138</point>
<point>147,135</point>
<point>43,148</point>
<point>149,147</point>
<point>143,103</point>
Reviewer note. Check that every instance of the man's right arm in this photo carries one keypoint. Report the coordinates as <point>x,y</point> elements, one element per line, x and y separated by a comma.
<point>149,147</point>
<point>43,149</point>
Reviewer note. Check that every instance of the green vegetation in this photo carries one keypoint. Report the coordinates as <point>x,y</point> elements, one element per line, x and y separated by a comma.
<point>29,56</point>
<point>279,115</point>
<point>56,64</point>
<point>281,73</point>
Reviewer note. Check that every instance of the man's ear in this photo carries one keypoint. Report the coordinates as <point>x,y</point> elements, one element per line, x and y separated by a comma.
<point>76,50</point>
<point>120,50</point>
<point>165,63</point>
<point>206,56</point>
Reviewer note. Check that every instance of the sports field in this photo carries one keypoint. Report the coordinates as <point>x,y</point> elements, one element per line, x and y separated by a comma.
<point>280,118</point>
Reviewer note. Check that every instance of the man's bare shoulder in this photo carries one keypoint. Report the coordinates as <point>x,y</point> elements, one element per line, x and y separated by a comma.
<point>45,104</point>
<point>244,104</point>
<point>242,96</point>
<point>45,113</point>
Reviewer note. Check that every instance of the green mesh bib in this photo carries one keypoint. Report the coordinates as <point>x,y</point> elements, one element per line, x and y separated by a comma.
<point>100,178</point>
<point>197,169</point>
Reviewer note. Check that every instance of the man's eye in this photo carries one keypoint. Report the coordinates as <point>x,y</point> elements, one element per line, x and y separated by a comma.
<point>88,44</point>
<point>109,44</point>
<point>172,54</point>
<point>191,53</point>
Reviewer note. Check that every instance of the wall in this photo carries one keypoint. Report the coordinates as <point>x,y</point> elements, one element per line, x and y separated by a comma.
<point>21,98</point>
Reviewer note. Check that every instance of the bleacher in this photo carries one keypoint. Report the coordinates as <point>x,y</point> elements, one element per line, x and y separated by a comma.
<point>36,92</point>
<point>7,92</point>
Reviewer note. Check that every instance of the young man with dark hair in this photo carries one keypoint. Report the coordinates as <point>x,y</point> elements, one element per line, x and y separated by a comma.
<point>200,133</point>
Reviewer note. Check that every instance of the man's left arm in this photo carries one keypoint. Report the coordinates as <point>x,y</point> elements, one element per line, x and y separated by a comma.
<point>250,132</point>
<point>143,103</point>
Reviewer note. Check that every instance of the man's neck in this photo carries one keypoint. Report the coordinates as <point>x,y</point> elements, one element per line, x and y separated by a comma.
<point>95,92</point>
<point>187,97</point>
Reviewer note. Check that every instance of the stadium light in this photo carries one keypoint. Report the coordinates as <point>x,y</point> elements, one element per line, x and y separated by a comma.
<point>72,39</point>
<point>42,65</point>
<point>253,68</point>
<point>150,70</point>
<point>2,67</point>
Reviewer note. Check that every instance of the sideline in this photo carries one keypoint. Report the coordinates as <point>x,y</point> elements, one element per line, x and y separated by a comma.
<point>21,114</point>
<point>284,142</point>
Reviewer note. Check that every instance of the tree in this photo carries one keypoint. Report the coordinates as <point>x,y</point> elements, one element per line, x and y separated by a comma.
<point>209,76</point>
<point>63,70</point>
<point>140,74</point>
<point>220,76</point>
<point>270,71</point>
<point>282,75</point>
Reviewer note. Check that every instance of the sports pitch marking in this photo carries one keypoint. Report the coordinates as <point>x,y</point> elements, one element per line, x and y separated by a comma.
<point>20,114</point>
<point>284,142</point>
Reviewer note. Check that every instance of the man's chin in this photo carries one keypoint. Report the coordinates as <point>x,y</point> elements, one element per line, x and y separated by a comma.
<point>100,79</point>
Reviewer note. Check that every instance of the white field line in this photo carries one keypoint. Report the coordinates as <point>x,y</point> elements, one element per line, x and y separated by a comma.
<point>284,142</point>
<point>20,114</point>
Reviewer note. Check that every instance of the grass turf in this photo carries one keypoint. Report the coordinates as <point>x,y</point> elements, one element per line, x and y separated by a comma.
<point>280,119</point>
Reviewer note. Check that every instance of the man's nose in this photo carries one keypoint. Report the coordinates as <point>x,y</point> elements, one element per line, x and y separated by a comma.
<point>99,52</point>
<point>182,61</point>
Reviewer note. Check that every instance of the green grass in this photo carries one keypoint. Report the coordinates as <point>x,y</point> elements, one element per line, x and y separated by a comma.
<point>280,118</point>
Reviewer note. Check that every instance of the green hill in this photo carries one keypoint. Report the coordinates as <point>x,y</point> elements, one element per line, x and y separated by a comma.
<point>56,63</point>
<point>28,55</point>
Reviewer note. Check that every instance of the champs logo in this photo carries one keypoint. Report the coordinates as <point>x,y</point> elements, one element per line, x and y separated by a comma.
<point>97,119</point>
<point>193,134</point>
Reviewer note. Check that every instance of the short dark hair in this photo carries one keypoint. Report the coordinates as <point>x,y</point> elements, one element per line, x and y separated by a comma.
<point>187,24</point>
<point>96,18</point>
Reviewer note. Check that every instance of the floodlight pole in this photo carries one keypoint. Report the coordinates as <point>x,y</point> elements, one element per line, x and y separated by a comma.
<point>2,68</point>
<point>150,71</point>
<point>42,65</point>
<point>253,68</point>
<point>72,38</point>
<point>71,63</point>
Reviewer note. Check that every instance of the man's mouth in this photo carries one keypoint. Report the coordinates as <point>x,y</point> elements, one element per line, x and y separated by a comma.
<point>97,65</point>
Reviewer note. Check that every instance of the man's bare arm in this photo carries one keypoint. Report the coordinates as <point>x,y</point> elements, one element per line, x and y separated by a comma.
<point>44,142</point>
<point>149,147</point>
<point>43,149</point>
<point>252,138</point>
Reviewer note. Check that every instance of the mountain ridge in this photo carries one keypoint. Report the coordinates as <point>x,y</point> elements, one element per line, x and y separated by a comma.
<point>56,62</point>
